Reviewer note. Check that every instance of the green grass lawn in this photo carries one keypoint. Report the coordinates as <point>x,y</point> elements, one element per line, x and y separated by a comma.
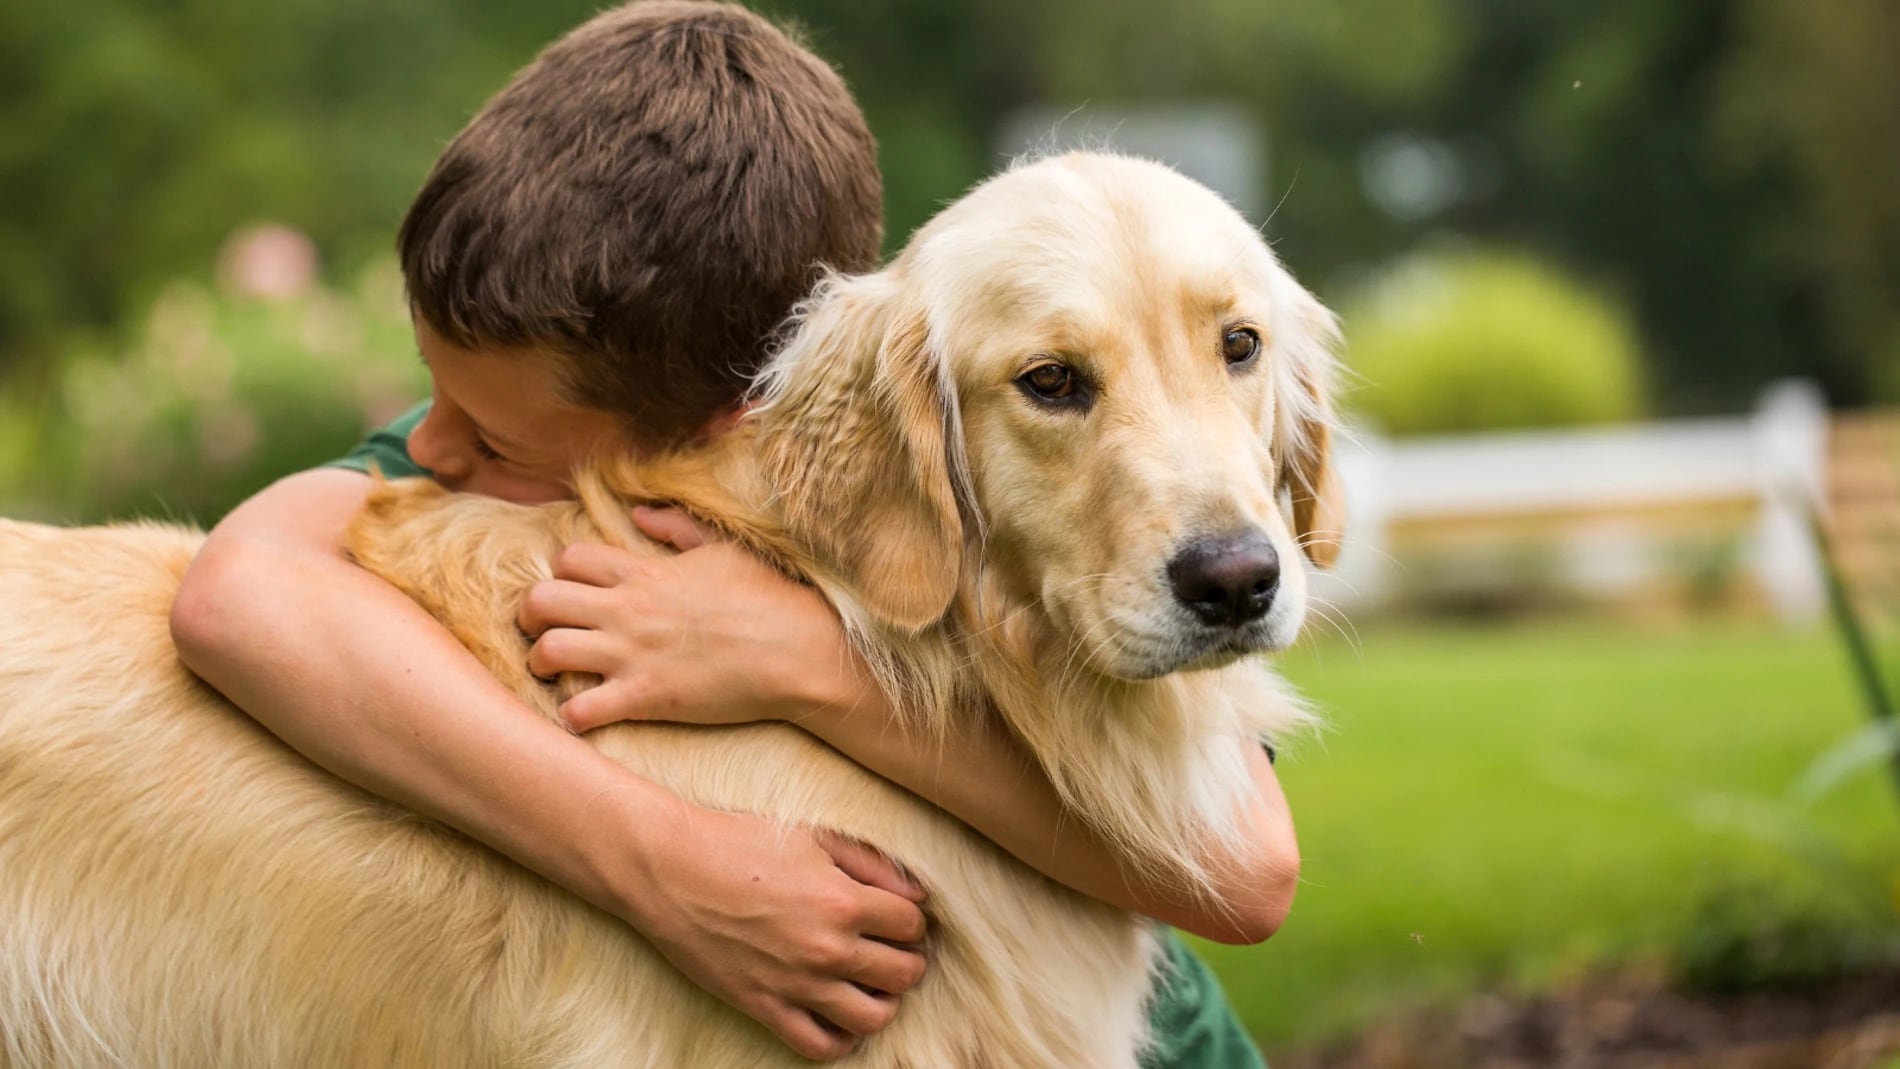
<point>1503,807</point>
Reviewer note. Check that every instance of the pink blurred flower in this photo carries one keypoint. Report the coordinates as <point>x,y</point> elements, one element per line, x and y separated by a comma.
<point>269,261</point>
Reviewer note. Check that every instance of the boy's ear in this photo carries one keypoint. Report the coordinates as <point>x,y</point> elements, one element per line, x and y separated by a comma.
<point>1304,427</point>
<point>855,421</point>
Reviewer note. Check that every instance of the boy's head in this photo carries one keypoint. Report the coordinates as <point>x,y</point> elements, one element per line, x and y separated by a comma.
<point>644,203</point>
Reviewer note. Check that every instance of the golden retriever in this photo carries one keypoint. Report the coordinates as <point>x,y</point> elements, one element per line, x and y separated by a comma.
<point>1060,459</point>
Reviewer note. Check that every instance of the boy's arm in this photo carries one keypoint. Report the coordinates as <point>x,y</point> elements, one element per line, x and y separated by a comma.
<point>986,779</point>
<point>356,677</point>
<point>715,635</point>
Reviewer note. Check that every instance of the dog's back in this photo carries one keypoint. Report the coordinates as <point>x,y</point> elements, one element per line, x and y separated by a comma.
<point>178,888</point>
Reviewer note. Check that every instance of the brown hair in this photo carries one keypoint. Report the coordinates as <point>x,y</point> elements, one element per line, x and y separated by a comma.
<point>648,198</point>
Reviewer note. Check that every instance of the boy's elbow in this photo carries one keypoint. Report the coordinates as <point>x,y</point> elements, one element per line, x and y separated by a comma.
<point>1263,921</point>
<point>1248,926</point>
<point>1256,911</point>
<point>201,619</point>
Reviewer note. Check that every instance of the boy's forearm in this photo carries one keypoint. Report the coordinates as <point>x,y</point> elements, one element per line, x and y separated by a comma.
<point>360,680</point>
<point>986,779</point>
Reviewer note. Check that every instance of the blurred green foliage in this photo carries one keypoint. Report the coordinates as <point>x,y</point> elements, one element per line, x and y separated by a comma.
<point>1811,99</point>
<point>134,137</point>
<point>1474,341</point>
<point>216,396</point>
<point>1762,931</point>
<point>1728,165</point>
<point>21,426</point>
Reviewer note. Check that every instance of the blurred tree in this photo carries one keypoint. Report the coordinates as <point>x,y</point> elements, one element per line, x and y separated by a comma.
<point>933,80</point>
<point>1813,99</point>
<point>1609,124</point>
<point>1726,167</point>
<point>135,137</point>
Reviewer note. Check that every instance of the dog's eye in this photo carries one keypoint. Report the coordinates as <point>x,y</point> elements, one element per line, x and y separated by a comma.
<point>1240,345</point>
<point>1054,384</point>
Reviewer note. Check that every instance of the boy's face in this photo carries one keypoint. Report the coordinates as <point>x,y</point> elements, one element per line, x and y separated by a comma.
<point>500,424</point>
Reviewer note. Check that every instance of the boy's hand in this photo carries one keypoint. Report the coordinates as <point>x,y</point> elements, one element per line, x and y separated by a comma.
<point>713,635</point>
<point>800,930</point>
<point>810,934</point>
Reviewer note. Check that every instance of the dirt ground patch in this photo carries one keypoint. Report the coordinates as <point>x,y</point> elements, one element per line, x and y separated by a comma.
<point>1631,1023</point>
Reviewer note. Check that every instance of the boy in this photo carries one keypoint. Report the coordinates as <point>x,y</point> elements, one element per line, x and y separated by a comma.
<point>597,261</point>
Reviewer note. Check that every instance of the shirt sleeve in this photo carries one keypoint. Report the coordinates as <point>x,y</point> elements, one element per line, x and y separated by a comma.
<point>386,450</point>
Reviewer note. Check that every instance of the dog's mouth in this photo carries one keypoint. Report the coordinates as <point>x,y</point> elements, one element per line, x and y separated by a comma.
<point>1222,653</point>
<point>1192,648</point>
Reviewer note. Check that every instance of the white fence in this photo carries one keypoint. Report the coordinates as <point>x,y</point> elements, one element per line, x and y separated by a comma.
<point>1596,498</point>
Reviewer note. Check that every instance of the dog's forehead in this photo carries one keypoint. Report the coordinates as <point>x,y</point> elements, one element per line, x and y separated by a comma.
<point>1079,234</point>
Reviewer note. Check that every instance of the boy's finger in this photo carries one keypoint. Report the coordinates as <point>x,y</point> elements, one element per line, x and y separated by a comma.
<point>853,1010</point>
<point>809,1037</point>
<point>887,969</point>
<point>868,866</point>
<point>889,917</point>
<point>672,527</point>
<point>593,564</point>
<point>595,707</point>
<point>572,649</point>
<point>561,603</point>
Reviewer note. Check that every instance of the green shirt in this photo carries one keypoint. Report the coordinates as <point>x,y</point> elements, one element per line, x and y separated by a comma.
<point>1192,1024</point>
<point>387,450</point>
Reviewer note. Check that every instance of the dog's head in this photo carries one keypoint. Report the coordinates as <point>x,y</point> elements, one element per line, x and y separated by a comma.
<point>1091,377</point>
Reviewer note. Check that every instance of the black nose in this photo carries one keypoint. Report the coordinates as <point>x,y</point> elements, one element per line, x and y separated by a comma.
<point>1227,580</point>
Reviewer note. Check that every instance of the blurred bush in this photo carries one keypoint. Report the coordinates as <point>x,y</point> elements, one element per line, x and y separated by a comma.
<point>1474,341</point>
<point>20,432</point>
<point>1753,932</point>
<point>1803,912</point>
<point>222,391</point>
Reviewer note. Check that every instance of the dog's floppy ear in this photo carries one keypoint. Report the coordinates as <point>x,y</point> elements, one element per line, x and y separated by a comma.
<point>854,416</point>
<point>1304,429</point>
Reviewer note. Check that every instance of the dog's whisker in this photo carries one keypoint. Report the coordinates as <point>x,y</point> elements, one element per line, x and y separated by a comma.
<point>1351,587</point>
<point>1318,538</point>
<point>1334,617</point>
<point>1350,638</point>
<point>1078,645</point>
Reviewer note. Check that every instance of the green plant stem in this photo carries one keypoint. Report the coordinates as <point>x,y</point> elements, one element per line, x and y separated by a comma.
<point>1860,647</point>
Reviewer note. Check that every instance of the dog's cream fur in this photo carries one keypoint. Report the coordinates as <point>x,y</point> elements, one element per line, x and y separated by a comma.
<point>177,888</point>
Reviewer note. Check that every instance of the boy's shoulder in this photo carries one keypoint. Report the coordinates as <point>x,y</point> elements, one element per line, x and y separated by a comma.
<point>386,449</point>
